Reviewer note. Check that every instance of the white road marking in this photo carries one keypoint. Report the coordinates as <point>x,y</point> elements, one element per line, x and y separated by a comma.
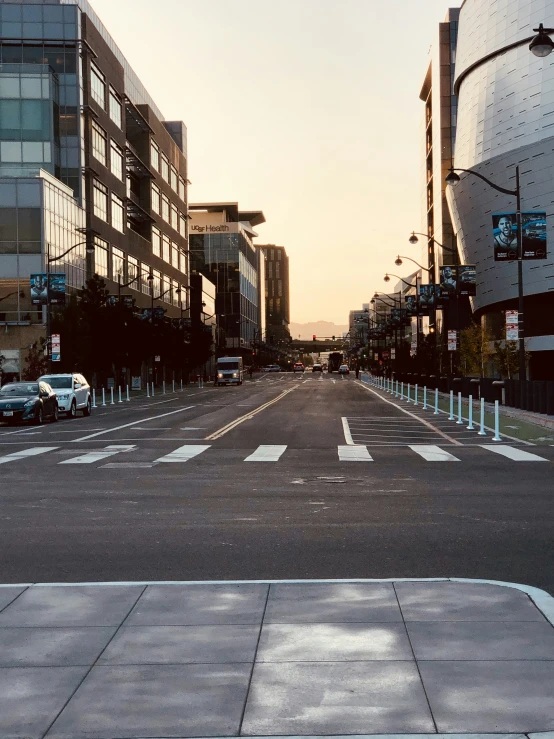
<point>354,454</point>
<point>141,428</point>
<point>267,453</point>
<point>517,455</point>
<point>33,452</point>
<point>433,453</point>
<point>347,434</point>
<point>97,456</point>
<point>183,453</point>
<point>134,423</point>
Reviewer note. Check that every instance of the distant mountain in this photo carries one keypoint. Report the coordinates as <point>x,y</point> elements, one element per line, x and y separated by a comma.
<point>319,328</point>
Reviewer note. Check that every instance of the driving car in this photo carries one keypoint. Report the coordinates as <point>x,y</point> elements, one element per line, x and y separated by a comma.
<point>28,401</point>
<point>298,367</point>
<point>344,369</point>
<point>317,368</point>
<point>272,368</point>
<point>73,391</point>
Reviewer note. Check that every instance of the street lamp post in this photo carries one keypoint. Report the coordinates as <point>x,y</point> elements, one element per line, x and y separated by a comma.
<point>453,179</point>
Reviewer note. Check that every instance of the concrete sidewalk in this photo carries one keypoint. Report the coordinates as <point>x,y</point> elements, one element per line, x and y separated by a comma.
<point>312,658</point>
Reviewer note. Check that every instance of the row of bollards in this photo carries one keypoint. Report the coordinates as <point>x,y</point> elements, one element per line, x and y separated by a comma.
<point>396,388</point>
<point>150,392</point>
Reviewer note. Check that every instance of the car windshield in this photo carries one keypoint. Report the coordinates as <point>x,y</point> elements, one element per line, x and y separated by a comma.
<point>19,389</point>
<point>58,382</point>
<point>228,366</point>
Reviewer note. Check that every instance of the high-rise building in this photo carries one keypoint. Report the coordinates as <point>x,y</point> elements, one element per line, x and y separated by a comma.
<point>223,250</point>
<point>505,119</point>
<point>277,293</point>
<point>87,160</point>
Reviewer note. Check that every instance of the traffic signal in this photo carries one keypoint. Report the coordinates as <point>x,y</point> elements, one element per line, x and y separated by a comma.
<point>333,338</point>
<point>314,337</point>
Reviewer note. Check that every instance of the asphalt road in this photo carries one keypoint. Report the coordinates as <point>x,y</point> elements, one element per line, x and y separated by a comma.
<point>119,496</point>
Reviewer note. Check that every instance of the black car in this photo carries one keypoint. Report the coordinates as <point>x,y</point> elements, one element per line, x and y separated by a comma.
<point>28,401</point>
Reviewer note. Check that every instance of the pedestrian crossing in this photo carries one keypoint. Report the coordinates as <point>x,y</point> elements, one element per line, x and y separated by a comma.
<point>146,457</point>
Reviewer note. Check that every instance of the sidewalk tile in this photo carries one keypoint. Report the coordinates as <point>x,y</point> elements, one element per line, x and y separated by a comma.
<point>31,698</point>
<point>137,645</point>
<point>43,647</point>
<point>71,606</point>
<point>7,595</point>
<point>490,696</point>
<point>333,642</point>
<point>175,605</point>
<point>336,698</point>
<point>332,603</point>
<point>149,701</point>
<point>479,640</point>
<point>451,601</point>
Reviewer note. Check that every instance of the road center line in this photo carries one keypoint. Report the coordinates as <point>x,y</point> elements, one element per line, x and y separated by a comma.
<point>134,423</point>
<point>230,426</point>
<point>412,415</point>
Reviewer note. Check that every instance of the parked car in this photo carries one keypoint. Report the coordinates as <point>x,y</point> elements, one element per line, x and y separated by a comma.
<point>344,369</point>
<point>317,368</point>
<point>298,367</point>
<point>28,401</point>
<point>272,368</point>
<point>73,391</point>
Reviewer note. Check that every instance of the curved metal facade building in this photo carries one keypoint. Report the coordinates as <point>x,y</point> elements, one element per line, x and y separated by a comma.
<point>506,118</point>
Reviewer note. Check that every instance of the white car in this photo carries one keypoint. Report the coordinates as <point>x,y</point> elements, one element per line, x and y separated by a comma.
<point>344,369</point>
<point>73,391</point>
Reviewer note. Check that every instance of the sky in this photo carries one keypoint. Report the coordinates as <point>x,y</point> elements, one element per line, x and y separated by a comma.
<point>307,110</point>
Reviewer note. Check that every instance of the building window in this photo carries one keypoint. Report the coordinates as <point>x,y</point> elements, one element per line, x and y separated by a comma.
<point>165,168</point>
<point>182,225</point>
<point>280,288</point>
<point>157,283</point>
<point>100,200</point>
<point>174,180</point>
<point>118,265</point>
<point>183,260</point>
<point>166,254</point>
<point>279,253</point>
<point>166,289</point>
<point>154,155</point>
<point>118,213</point>
<point>174,217</point>
<point>115,108</point>
<point>116,160</point>
<point>272,253</point>
<point>165,208</point>
<point>97,86</point>
<point>277,305</point>
<point>156,199</point>
<point>133,272</point>
<point>156,242</point>
<point>277,269</point>
<point>99,143</point>
<point>270,270</point>
<point>174,293</point>
<point>100,257</point>
<point>182,189</point>
<point>174,256</point>
<point>144,281</point>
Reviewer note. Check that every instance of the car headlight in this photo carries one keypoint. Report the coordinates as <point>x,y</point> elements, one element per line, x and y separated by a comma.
<point>235,374</point>
<point>29,403</point>
<point>63,396</point>
<point>219,375</point>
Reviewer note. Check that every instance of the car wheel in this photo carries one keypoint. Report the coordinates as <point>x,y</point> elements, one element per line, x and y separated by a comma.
<point>87,410</point>
<point>73,410</point>
<point>39,417</point>
<point>56,414</point>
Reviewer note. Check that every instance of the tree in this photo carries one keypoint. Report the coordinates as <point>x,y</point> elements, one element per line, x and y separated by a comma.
<point>36,363</point>
<point>507,357</point>
<point>475,349</point>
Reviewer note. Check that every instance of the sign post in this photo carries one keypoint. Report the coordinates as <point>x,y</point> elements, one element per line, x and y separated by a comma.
<point>55,348</point>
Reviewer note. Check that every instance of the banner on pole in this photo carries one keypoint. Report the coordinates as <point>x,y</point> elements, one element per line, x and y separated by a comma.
<point>452,341</point>
<point>512,325</point>
<point>505,236</point>
<point>55,348</point>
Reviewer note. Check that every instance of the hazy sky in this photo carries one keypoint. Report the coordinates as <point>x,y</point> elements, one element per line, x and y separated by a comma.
<point>305,109</point>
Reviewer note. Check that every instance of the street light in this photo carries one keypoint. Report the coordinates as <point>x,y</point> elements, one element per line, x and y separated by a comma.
<point>398,262</point>
<point>542,44</point>
<point>414,240</point>
<point>453,179</point>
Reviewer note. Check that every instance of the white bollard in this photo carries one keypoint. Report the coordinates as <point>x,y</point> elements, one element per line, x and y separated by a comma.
<point>396,394</point>
<point>451,416</point>
<point>402,391</point>
<point>147,389</point>
<point>496,436</point>
<point>163,387</point>
<point>93,398</point>
<point>120,399</point>
<point>173,386</point>
<point>459,421</point>
<point>409,401</point>
<point>103,397</point>
<point>128,397</point>
<point>482,419</point>
<point>470,426</point>
<point>153,390</point>
<point>111,395</point>
<point>415,394</point>
<point>181,385</point>
<point>436,413</point>
<point>425,397</point>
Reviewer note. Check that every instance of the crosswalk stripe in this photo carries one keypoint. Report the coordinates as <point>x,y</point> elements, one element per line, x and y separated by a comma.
<point>184,453</point>
<point>267,453</point>
<point>432,453</point>
<point>517,455</point>
<point>354,454</point>
<point>97,456</point>
<point>33,452</point>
